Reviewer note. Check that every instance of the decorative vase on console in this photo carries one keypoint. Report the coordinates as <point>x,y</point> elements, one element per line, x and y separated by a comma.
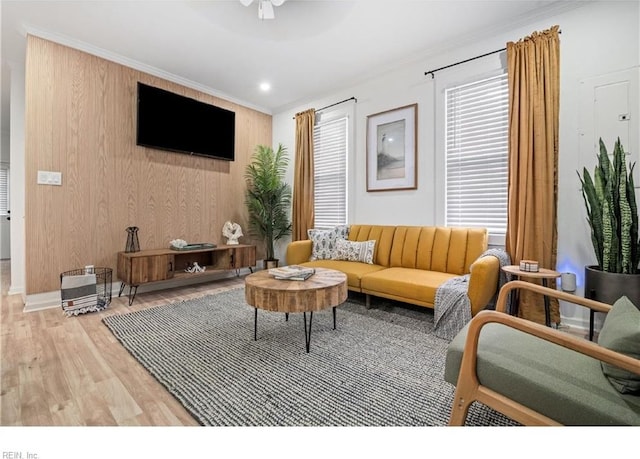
<point>133,245</point>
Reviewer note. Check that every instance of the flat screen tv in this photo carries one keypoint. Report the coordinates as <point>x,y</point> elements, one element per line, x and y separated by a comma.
<point>172,122</point>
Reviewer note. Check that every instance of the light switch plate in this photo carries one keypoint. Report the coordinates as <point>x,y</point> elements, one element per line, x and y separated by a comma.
<point>49,178</point>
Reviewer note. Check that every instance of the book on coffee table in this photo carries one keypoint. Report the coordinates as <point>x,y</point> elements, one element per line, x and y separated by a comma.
<point>292,272</point>
<point>301,277</point>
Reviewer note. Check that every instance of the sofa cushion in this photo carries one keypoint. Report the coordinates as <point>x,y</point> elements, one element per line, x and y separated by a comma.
<point>354,270</point>
<point>445,249</point>
<point>324,241</point>
<point>416,285</point>
<point>383,235</point>
<point>564,385</point>
<point>621,333</point>
<point>354,251</point>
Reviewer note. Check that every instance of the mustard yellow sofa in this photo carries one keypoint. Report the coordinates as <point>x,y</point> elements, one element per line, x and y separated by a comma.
<point>411,262</point>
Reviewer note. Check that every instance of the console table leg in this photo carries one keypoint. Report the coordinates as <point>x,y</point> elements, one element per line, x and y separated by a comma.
<point>121,289</point>
<point>307,335</point>
<point>132,297</point>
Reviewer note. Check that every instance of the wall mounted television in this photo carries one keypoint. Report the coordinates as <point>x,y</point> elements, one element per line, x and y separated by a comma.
<point>169,121</point>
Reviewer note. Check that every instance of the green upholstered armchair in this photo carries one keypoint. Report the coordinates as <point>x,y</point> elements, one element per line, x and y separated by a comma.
<point>538,375</point>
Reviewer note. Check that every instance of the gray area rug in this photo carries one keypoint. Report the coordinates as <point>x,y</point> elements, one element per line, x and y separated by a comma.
<point>380,367</point>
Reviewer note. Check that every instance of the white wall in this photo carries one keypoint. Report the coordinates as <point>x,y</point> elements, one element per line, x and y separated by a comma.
<point>17,191</point>
<point>597,38</point>
<point>4,146</point>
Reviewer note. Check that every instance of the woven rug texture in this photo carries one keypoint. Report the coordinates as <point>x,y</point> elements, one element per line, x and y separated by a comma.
<point>380,367</point>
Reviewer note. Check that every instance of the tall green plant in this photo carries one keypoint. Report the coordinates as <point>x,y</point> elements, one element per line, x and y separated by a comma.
<point>612,212</point>
<point>268,197</point>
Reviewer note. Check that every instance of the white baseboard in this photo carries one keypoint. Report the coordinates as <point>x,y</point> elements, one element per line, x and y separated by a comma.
<point>16,291</point>
<point>50,300</point>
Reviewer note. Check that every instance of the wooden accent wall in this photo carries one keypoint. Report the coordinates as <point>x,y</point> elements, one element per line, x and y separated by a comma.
<point>80,120</point>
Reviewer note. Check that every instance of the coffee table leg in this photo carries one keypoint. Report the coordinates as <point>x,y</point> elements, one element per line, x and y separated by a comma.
<point>307,334</point>
<point>255,325</point>
<point>286,317</point>
<point>334,317</point>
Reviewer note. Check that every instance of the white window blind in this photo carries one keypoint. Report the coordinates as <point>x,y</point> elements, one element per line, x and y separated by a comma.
<point>330,173</point>
<point>4,189</point>
<point>477,132</point>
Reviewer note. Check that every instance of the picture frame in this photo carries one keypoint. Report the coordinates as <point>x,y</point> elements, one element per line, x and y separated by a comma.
<point>392,149</point>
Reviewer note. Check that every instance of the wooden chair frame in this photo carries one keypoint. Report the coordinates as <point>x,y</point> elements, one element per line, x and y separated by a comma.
<point>469,388</point>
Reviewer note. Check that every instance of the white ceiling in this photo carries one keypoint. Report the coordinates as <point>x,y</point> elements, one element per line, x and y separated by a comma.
<point>310,49</point>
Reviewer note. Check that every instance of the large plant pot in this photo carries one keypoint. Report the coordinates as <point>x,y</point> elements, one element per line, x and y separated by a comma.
<point>608,287</point>
<point>268,264</point>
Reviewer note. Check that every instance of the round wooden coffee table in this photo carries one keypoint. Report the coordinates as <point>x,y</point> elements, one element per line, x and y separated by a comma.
<point>325,289</point>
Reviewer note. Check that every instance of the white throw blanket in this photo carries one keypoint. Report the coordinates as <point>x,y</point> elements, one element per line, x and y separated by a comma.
<point>452,308</point>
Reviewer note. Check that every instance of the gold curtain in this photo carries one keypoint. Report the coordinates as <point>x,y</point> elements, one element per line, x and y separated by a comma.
<point>534,79</point>
<point>302,215</point>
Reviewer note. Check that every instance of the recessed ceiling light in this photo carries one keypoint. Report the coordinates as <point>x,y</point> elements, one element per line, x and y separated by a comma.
<point>264,87</point>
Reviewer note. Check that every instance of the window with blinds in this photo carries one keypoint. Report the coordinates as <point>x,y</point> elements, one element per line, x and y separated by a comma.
<point>330,172</point>
<point>477,132</point>
<point>4,189</point>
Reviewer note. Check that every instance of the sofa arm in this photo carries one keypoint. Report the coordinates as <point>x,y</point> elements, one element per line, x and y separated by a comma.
<point>483,282</point>
<point>298,252</point>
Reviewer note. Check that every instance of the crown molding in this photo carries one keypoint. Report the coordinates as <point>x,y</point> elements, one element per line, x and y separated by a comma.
<point>131,63</point>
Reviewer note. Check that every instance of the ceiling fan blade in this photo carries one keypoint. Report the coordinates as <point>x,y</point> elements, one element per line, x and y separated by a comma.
<point>278,2</point>
<point>246,2</point>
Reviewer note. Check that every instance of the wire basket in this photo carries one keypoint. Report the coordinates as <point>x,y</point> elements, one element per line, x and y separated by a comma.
<point>85,290</point>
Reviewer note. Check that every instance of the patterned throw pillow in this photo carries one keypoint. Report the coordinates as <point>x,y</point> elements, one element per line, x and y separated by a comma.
<point>355,251</point>
<point>324,241</point>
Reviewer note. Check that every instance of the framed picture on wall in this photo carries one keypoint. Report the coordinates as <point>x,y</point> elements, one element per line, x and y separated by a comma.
<point>392,150</point>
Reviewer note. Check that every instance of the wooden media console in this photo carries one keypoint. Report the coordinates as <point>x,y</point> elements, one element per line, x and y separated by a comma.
<point>146,266</point>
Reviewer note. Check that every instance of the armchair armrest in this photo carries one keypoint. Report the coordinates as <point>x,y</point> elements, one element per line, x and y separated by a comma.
<point>501,304</point>
<point>298,252</point>
<point>483,282</point>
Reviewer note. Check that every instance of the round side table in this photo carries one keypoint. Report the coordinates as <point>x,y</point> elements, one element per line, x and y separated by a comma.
<point>545,275</point>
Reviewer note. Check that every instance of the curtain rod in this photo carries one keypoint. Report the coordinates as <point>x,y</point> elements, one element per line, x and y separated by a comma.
<point>431,72</point>
<point>462,62</point>
<point>337,103</point>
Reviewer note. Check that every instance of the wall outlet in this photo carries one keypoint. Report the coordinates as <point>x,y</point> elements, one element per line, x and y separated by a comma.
<point>49,178</point>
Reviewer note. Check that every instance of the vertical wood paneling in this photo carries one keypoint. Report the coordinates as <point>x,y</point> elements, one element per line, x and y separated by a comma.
<point>81,121</point>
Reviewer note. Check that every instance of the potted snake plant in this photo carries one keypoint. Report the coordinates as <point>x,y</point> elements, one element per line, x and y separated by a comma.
<point>268,198</point>
<point>612,213</point>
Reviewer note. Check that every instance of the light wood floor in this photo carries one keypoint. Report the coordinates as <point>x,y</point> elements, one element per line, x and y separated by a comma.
<point>71,371</point>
